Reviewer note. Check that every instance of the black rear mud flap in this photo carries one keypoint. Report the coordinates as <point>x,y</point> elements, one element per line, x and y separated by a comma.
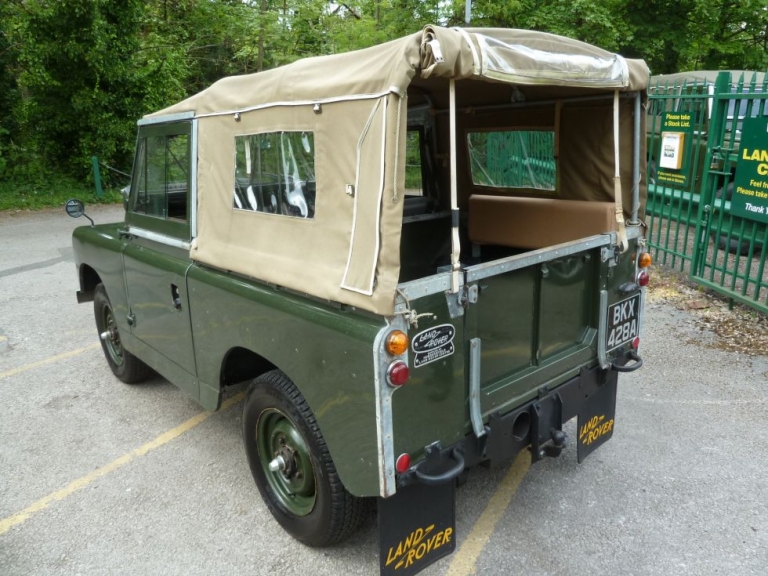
<point>417,526</point>
<point>596,419</point>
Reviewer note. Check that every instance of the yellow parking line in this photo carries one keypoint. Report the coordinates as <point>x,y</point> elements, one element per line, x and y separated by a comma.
<point>39,363</point>
<point>7,523</point>
<point>464,560</point>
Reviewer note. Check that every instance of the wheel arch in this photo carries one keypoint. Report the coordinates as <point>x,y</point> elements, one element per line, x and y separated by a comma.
<point>89,279</point>
<point>241,364</point>
<point>334,409</point>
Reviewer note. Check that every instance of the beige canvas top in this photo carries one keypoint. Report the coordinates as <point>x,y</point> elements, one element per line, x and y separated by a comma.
<point>355,106</point>
<point>521,56</point>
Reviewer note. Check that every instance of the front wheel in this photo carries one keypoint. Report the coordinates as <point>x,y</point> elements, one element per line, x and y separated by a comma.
<point>292,466</point>
<point>123,364</point>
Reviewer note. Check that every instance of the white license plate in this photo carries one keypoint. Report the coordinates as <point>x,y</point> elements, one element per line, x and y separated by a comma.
<point>623,322</point>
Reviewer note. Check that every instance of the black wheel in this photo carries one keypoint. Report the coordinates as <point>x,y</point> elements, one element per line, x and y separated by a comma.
<point>292,467</point>
<point>124,365</point>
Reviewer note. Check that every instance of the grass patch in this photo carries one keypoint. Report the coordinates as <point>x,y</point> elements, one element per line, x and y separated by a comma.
<point>16,195</point>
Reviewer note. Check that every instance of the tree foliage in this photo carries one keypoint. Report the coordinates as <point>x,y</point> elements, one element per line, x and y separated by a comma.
<point>76,74</point>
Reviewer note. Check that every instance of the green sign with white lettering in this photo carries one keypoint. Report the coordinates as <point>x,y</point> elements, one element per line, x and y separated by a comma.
<point>676,144</point>
<point>750,186</point>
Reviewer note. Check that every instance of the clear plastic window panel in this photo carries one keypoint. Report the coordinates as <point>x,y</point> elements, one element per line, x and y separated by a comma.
<point>163,177</point>
<point>275,173</point>
<point>513,159</point>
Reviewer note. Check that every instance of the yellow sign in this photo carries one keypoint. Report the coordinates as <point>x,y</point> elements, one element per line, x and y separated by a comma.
<point>418,544</point>
<point>596,427</point>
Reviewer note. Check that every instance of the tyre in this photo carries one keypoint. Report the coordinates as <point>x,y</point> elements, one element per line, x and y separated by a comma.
<point>123,364</point>
<point>292,466</point>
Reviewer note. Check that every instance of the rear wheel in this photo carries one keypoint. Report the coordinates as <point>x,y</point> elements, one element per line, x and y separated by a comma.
<point>123,364</point>
<point>292,466</point>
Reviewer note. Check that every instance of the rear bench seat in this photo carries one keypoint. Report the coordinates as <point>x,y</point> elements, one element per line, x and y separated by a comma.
<point>536,222</point>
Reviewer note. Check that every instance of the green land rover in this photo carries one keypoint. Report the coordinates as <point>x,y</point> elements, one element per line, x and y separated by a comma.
<point>423,256</point>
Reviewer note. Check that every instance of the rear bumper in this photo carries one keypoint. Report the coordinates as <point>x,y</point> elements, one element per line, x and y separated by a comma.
<point>537,424</point>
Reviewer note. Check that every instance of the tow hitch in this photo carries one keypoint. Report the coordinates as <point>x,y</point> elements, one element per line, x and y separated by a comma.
<point>553,449</point>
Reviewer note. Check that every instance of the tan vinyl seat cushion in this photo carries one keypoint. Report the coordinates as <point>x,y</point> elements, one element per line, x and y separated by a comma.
<point>536,222</point>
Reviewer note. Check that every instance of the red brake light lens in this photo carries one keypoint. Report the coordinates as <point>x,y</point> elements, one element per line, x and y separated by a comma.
<point>643,278</point>
<point>403,463</point>
<point>398,373</point>
<point>636,343</point>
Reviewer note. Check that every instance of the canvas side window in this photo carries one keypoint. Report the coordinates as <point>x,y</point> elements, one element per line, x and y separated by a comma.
<point>275,173</point>
<point>513,159</point>
<point>162,177</point>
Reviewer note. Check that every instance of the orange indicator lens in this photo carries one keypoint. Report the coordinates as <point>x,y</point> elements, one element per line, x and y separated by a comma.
<point>645,260</point>
<point>397,342</point>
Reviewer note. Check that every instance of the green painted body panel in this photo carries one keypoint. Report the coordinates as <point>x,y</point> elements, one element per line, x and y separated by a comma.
<point>100,248</point>
<point>152,278</point>
<point>433,404</point>
<point>534,325</point>
<point>326,351</point>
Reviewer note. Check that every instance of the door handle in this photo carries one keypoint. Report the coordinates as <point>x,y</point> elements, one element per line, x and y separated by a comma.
<point>175,298</point>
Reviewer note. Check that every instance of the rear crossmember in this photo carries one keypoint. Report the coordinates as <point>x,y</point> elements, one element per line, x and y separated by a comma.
<point>537,424</point>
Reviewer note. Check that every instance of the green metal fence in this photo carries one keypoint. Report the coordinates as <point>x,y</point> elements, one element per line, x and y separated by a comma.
<point>695,169</point>
<point>514,159</point>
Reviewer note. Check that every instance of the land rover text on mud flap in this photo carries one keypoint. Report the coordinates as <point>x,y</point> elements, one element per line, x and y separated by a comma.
<point>416,253</point>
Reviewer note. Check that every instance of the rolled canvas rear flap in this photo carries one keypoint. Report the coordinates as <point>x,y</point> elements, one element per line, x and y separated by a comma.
<point>368,189</point>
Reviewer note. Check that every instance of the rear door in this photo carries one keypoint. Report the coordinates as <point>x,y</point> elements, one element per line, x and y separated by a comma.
<point>531,322</point>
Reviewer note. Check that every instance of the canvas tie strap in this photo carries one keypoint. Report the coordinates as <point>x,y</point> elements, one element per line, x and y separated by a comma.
<point>455,238</point>
<point>621,230</point>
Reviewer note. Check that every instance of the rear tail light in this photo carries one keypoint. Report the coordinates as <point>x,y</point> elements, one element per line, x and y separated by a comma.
<point>402,463</point>
<point>636,343</point>
<point>398,373</point>
<point>643,278</point>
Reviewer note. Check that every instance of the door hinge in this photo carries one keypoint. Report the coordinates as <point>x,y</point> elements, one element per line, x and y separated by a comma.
<point>458,301</point>
<point>468,295</point>
<point>131,319</point>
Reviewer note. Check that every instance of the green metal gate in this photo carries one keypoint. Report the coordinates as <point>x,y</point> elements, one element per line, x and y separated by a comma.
<point>694,134</point>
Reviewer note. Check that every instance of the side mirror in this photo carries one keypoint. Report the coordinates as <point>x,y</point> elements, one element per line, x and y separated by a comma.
<point>76,208</point>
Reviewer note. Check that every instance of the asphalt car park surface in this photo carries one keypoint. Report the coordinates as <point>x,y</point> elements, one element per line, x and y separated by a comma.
<point>99,477</point>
